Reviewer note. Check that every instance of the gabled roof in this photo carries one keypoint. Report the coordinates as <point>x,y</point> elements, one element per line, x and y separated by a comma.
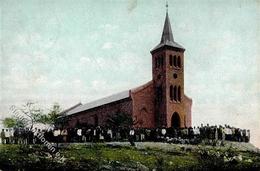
<point>106,100</point>
<point>100,102</point>
<point>167,36</point>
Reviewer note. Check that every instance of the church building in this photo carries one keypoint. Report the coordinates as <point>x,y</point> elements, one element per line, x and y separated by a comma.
<point>160,102</point>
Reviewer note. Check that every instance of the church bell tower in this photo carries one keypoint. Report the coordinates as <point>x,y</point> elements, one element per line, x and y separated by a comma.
<point>168,80</point>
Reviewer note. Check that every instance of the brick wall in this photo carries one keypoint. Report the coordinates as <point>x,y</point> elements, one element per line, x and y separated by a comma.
<point>102,113</point>
<point>143,105</point>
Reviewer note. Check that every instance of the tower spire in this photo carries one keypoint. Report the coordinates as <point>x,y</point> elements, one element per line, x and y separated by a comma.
<point>167,36</point>
<point>167,30</point>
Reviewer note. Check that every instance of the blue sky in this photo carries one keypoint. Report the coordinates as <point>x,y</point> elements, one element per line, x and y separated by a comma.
<point>71,51</point>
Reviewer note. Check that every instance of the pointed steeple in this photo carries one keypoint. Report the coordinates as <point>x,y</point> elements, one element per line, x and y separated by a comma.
<point>167,30</point>
<point>167,36</point>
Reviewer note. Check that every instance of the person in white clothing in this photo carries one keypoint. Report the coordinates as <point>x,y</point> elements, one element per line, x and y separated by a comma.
<point>11,132</point>
<point>110,135</point>
<point>56,134</point>
<point>7,136</point>
<point>131,137</point>
<point>196,131</point>
<point>79,133</point>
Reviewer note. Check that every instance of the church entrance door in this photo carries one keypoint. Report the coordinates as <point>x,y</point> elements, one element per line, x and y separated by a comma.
<point>176,122</point>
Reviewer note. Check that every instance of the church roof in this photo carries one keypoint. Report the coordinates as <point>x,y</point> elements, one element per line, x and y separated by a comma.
<point>106,100</point>
<point>167,36</point>
<point>71,108</point>
<point>100,102</point>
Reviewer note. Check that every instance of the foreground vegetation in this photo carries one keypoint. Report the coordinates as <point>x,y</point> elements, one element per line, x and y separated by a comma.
<point>119,157</point>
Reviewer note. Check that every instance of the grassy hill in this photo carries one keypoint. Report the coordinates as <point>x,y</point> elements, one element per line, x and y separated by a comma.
<point>121,156</point>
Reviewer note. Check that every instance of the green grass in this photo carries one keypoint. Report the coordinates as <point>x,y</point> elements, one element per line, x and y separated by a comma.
<point>95,157</point>
<point>125,155</point>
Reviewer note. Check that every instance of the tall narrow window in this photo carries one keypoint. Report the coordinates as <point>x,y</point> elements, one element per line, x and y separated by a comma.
<point>175,60</point>
<point>179,93</point>
<point>175,93</point>
<point>171,92</point>
<point>159,94</point>
<point>170,60</point>
<point>179,61</point>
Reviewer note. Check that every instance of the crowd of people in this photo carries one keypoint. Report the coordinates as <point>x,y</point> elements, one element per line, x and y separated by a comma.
<point>208,134</point>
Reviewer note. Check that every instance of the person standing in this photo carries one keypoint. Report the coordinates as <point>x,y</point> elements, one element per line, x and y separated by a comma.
<point>196,132</point>
<point>109,135</point>
<point>131,136</point>
<point>84,136</point>
<point>11,131</point>
<point>101,135</point>
<point>64,134</point>
<point>3,137</point>
<point>56,135</point>
<point>79,134</point>
<point>7,136</point>
<point>247,135</point>
<point>163,132</point>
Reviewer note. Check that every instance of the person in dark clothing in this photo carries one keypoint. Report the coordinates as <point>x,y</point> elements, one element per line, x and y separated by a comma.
<point>190,133</point>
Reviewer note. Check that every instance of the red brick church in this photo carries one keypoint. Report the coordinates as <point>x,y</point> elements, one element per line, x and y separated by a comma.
<point>159,103</point>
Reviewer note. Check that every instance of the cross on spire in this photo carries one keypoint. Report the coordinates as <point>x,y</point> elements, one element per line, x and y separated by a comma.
<point>166,6</point>
<point>167,36</point>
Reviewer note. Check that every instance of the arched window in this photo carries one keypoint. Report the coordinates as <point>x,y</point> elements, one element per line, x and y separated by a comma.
<point>175,60</point>
<point>179,93</point>
<point>179,61</point>
<point>175,93</point>
<point>170,60</point>
<point>171,92</point>
<point>161,61</point>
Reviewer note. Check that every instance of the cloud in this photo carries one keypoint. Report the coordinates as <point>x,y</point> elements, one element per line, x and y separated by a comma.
<point>86,61</point>
<point>109,27</point>
<point>107,45</point>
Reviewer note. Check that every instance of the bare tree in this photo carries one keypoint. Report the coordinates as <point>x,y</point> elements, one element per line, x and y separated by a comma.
<point>32,113</point>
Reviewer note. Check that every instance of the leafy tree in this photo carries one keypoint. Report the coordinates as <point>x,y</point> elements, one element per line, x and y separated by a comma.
<point>30,113</point>
<point>54,113</point>
<point>13,122</point>
<point>9,122</point>
<point>52,116</point>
